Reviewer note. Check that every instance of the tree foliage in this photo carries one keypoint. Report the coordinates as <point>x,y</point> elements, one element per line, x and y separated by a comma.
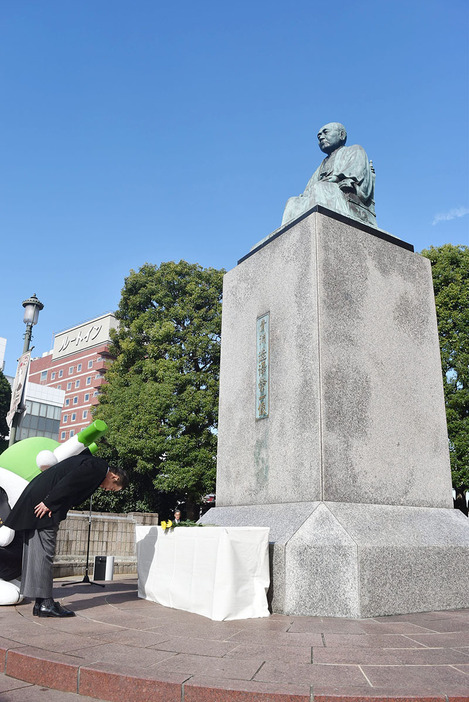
<point>450,270</point>
<point>5,399</point>
<point>161,397</point>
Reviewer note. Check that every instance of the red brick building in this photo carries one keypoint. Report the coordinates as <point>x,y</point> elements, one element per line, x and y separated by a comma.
<point>77,364</point>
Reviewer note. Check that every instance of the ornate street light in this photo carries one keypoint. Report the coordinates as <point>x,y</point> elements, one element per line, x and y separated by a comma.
<point>32,307</point>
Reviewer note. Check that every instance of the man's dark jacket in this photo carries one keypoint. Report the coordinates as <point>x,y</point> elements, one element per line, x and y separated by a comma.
<point>60,487</point>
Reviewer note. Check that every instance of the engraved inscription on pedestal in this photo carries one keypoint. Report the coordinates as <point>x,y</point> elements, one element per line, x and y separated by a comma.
<point>262,374</point>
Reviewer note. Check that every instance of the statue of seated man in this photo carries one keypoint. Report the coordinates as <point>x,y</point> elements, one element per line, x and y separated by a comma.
<point>344,182</point>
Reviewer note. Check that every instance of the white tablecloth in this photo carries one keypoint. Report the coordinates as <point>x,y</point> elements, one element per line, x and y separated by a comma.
<point>219,572</point>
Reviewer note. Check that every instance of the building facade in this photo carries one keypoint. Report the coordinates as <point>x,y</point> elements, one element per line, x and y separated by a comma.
<point>77,365</point>
<point>43,411</point>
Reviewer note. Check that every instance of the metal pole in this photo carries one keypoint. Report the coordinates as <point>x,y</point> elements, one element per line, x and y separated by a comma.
<point>28,335</point>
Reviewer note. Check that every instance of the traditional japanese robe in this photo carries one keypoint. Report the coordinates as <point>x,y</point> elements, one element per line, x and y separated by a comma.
<point>348,165</point>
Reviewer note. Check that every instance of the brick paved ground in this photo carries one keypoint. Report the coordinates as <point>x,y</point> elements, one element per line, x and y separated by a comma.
<point>119,647</point>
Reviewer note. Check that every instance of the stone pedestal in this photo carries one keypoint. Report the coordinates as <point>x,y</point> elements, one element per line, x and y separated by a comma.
<point>332,427</point>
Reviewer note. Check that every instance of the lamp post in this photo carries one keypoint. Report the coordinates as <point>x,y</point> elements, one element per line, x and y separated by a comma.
<point>32,307</point>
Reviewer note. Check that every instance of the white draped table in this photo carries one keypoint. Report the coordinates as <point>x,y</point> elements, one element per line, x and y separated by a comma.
<point>219,572</point>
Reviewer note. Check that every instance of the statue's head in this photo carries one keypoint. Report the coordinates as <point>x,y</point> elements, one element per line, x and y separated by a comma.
<point>331,136</point>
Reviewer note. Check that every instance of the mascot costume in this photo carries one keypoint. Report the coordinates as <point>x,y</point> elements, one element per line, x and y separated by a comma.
<point>19,464</point>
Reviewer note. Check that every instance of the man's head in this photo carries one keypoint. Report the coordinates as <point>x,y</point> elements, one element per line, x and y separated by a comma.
<point>116,479</point>
<point>177,514</point>
<point>331,136</point>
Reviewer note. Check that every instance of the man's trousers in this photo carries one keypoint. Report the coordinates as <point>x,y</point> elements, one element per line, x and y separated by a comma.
<point>38,555</point>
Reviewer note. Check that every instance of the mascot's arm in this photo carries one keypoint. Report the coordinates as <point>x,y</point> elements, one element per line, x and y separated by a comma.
<point>6,536</point>
<point>13,486</point>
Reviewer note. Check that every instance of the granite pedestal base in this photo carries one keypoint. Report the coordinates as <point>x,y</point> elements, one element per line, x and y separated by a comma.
<point>332,426</point>
<point>336,559</point>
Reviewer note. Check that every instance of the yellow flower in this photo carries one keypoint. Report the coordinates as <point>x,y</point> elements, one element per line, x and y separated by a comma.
<point>163,525</point>
<point>169,524</point>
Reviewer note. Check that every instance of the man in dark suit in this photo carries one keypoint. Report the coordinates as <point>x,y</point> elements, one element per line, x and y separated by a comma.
<point>39,510</point>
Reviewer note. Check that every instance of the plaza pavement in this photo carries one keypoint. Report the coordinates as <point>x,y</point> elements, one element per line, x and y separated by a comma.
<point>120,647</point>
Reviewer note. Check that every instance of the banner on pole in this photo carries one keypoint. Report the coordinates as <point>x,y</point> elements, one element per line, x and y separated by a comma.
<point>17,392</point>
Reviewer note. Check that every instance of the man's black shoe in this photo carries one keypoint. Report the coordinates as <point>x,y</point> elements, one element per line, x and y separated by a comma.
<point>54,610</point>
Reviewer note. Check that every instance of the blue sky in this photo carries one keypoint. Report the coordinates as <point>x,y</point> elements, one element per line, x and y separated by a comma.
<point>137,130</point>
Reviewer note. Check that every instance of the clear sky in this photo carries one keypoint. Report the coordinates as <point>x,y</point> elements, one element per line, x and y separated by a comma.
<point>138,131</point>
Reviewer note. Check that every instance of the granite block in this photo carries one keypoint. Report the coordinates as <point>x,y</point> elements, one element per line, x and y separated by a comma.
<point>296,654</point>
<point>415,678</point>
<point>181,644</point>
<point>253,455</point>
<point>41,667</point>
<point>342,676</point>
<point>356,407</point>
<point>322,567</point>
<point>384,425</point>
<point>206,689</point>
<point>391,641</point>
<point>109,682</point>
<point>8,684</point>
<point>324,693</point>
<point>222,668</point>
<point>361,560</point>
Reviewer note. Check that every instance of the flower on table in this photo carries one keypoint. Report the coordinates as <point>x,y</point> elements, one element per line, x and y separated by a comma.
<point>166,526</point>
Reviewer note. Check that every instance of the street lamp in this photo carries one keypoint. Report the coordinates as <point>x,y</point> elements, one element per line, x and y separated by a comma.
<point>32,307</point>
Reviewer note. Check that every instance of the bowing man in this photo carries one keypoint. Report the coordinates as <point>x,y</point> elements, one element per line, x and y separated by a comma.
<point>39,510</point>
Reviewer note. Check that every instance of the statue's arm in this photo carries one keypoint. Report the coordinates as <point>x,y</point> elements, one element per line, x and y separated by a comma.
<point>314,179</point>
<point>353,171</point>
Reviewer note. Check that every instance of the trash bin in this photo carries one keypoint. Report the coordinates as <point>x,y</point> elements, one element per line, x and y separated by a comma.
<point>103,567</point>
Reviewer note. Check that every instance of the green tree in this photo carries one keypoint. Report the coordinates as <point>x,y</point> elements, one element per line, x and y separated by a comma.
<point>161,397</point>
<point>5,399</point>
<point>450,270</point>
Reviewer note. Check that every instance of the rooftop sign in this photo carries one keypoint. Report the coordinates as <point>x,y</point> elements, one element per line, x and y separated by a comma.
<point>85,336</point>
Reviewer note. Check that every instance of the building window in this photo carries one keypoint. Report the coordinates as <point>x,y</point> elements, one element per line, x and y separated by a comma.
<point>72,433</point>
<point>87,397</point>
<point>90,364</point>
<point>62,435</point>
<point>79,368</point>
<point>61,374</point>
<point>75,400</point>
<point>69,386</point>
<point>65,418</point>
<point>52,376</point>
<point>59,387</point>
<point>44,375</point>
<point>77,383</point>
<point>67,402</point>
<point>85,414</point>
<point>88,380</point>
<point>74,416</point>
<point>70,370</point>
<point>96,393</point>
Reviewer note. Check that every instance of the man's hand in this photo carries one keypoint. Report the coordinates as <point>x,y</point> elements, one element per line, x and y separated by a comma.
<point>41,510</point>
<point>347,185</point>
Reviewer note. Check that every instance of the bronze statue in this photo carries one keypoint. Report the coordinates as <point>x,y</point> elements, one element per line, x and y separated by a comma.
<point>344,182</point>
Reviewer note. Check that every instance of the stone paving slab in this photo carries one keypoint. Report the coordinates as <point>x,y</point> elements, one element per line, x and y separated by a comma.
<point>119,647</point>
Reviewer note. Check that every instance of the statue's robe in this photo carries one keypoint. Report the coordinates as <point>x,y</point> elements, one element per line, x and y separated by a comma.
<point>350,166</point>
